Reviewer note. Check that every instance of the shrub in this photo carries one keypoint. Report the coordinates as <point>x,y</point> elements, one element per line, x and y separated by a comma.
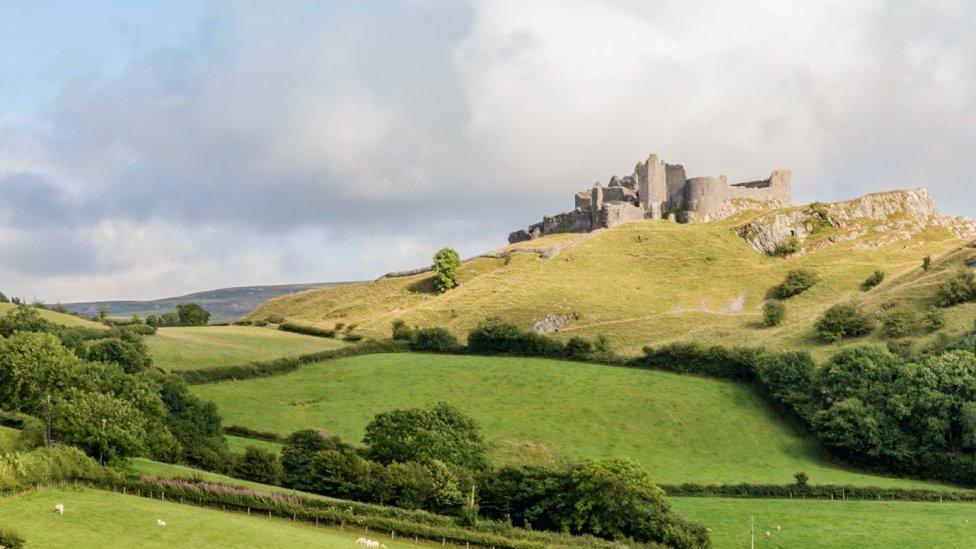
<point>139,329</point>
<point>843,321</point>
<point>787,378</point>
<point>447,264</point>
<point>933,319</point>
<point>578,348</point>
<point>434,340</point>
<point>926,263</point>
<point>738,363</point>
<point>788,246</point>
<point>128,351</point>
<point>259,465</point>
<point>10,539</point>
<point>958,288</point>
<point>773,313</point>
<point>507,339</point>
<point>401,332</point>
<point>352,338</point>
<point>192,314</point>
<point>297,455</point>
<point>900,322</point>
<point>306,330</point>
<point>877,277</point>
<point>275,319</point>
<point>801,479</point>
<point>795,283</point>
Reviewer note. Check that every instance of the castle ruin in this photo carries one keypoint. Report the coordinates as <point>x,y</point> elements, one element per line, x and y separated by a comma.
<point>657,190</point>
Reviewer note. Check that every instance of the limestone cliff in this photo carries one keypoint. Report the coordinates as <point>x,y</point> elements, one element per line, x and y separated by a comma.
<point>874,220</point>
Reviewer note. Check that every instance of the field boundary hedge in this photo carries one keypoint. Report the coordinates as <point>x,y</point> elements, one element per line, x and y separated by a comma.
<point>280,366</point>
<point>825,491</point>
<point>306,330</point>
<point>382,520</point>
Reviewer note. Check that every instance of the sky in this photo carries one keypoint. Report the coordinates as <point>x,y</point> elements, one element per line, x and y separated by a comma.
<point>150,149</point>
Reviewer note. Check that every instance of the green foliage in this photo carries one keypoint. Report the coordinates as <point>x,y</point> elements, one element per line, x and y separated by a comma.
<point>796,282</point>
<point>19,470</point>
<point>900,322</point>
<point>9,539</point>
<point>877,277</point>
<point>434,340</point>
<point>787,378</point>
<point>497,338</point>
<point>802,479</point>
<point>933,319</point>
<point>101,425</point>
<point>259,465</point>
<point>352,338</point>
<point>401,332</point>
<point>4,298</point>
<point>578,348</point>
<point>297,455</point>
<point>738,363</point>
<point>441,433</point>
<point>128,351</point>
<point>774,311</point>
<point>967,425</point>
<point>192,314</point>
<point>344,474</point>
<point>843,321</point>
<point>958,288</point>
<point>788,246</point>
<point>447,266</point>
<point>195,424</point>
<point>306,330</point>
<point>926,263</point>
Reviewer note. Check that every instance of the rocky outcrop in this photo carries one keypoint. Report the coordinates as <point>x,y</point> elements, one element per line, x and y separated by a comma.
<point>902,214</point>
<point>552,323</point>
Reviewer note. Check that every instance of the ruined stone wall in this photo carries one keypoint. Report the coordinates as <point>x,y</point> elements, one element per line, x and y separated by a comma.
<point>775,189</point>
<point>676,180</point>
<point>652,186</point>
<point>614,214</point>
<point>576,221</point>
<point>704,196</point>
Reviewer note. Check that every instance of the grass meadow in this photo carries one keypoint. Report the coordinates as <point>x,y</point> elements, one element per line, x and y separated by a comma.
<point>57,318</point>
<point>682,428</point>
<point>819,523</point>
<point>96,518</point>
<point>189,348</point>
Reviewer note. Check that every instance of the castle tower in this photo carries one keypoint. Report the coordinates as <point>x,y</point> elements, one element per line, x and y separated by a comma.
<point>652,190</point>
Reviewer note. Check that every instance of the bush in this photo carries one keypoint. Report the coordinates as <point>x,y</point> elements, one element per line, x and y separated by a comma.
<point>737,363</point>
<point>401,332</point>
<point>958,288</point>
<point>578,348</point>
<point>306,330</point>
<point>192,314</point>
<point>297,455</point>
<point>787,378</point>
<point>259,465</point>
<point>773,313</point>
<point>352,338</point>
<point>933,319</point>
<point>275,319</point>
<point>877,277</point>
<point>440,433</point>
<point>843,321</point>
<point>788,246</point>
<point>900,322</point>
<point>926,263</point>
<point>447,264</point>
<point>795,283</point>
<point>128,351</point>
<point>10,539</point>
<point>139,329</point>
<point>507,339</point>
<point>801,479</point>
<point>434,340</point>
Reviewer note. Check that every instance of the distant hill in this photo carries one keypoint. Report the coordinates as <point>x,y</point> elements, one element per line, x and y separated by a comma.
<point>653,282</point>
<point>224,304</point>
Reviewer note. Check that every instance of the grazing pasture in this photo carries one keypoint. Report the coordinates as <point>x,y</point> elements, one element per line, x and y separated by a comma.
<point>96,518</point>
<point>57,318</point>
<point>188,348</point>
<point>238,444</point>
<point>682,428</point>
<point>819,523</point>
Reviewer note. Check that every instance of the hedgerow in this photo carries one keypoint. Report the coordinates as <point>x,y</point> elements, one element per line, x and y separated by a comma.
<point>306,330</point>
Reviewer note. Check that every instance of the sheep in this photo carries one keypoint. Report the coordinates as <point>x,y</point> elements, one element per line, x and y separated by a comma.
<point>160,522</point>
<point>361,541</point>
<point>373,544</point>
<point>59,508</point>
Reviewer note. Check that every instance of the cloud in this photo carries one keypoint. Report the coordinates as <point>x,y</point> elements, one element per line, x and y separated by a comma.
<point>340,140</point>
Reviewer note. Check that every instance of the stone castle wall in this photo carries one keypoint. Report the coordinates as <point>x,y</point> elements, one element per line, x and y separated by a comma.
<point>657,190</point>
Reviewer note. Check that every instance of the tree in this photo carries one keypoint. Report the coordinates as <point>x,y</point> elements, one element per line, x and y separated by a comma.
<point>104,426</point>
<point>152,321</point>
<point>434,340</point>
<point>102,312</point>
<point>192,314</point>
<point>128,351</point>
<point>259,465</point>
<point>842,321</point>
<point>447,264</point>
<point>31,365</point>
<point>298,453</point>
<point>195,424</point>
<point>773,313</point>
<point>344,474</point>
<point>788,379</point>
<point>23,319</point>
<point>3,298</point>
<point>958,288</point>
<point>440,433</point>
<point>877,277</point>
<point>402,332</point>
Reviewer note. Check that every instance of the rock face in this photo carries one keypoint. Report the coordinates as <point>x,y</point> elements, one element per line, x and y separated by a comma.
<point>552,323</point>
<point>902,215</point>
<point>658,190</point>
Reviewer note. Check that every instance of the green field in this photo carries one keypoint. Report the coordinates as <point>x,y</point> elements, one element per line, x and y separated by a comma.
<point>654,282</point>
<point>95,518</point>
<point>816,523</point>
<point>8,438</point>
<point>57,318</point>
<point>683,428</point>
<point>238,444</point>
<point>142,466</point>
<point>210,346</point>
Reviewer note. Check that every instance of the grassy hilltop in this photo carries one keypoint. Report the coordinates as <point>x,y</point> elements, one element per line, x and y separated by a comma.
<point>653,282</point>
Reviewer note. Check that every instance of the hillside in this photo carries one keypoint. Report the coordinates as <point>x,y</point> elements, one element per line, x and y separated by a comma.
<point>57,318</point>
<point>652,282</point>
<point>682,428</point>
<point>224,304</point>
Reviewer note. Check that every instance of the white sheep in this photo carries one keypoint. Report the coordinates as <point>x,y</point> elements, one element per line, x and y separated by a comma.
<point>373,544</point>
<point>361,541</point>
<point>160,522</point>
<point>59,508</point>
